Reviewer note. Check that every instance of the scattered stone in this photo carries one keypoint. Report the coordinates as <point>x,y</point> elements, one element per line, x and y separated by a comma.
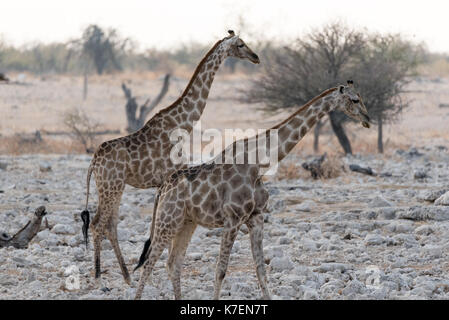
<point>333,266</point>
<point>310,294</point>
<point>412,153</point>
<point>373,239</point>
<point>44,166</point>
<point>305,206</point>
<point>379,201</point>
<point>431,195</point>
<point>421,213</point>
<point>285,240</point>
<point>6,280</point>
<point>3,165</point>
<point>279,264</point>
<point>424,230</point>
<point>420,174</point>
<point>443,200</point>
<point>63,229</point>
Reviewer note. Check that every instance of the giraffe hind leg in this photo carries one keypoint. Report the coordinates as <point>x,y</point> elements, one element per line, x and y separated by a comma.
<point>176,255</point>
<point>112,236</point>
<point>255,227</point>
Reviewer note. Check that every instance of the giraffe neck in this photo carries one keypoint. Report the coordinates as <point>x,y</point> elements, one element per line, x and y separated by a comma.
<point>294,128</point>
<point>190,105</point>
<point>290,131</point>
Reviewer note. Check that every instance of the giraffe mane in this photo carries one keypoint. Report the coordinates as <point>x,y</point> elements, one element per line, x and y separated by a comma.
<point>305,106</point>
<point>195,73</point>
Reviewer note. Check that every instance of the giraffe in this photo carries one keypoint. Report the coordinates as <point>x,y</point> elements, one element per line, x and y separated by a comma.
<point>227,195</point>
<point>142,159</point>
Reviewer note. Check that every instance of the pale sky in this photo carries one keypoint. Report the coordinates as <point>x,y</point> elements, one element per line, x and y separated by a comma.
<point>166,23</point>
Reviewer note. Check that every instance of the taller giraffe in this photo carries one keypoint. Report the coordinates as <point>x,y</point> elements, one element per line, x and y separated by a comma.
<point>142,159</point>
<point>227,194</point>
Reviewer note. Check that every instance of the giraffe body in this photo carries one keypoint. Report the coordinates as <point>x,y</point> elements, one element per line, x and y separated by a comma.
<point>142,159</point>
<point>229,195</point>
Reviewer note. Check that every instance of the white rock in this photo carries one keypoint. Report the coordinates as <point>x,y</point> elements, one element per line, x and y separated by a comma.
<point>195,256</point>
<point>280,264</point>
<point>309,245</point>
<point>373,239</point>
<point>272,252</point>
<point>424,229</point>
<point>333,266</point>
<point>44,166</point>
<point>63,229</point>
<point>73,269</point>
<point>6,280</point>
<point>310,294</point>
<point>123,234</point>
<point>432,251</point>
<point>379,201</point>
<point>443,200</point>
<point>306,206</point>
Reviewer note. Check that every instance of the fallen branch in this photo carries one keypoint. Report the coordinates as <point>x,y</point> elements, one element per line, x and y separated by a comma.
<point>364,170</point>
<point>23,237</point>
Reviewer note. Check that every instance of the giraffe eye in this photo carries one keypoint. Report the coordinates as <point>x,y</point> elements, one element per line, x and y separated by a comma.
<point>240,46</point>
<point>355,100</point>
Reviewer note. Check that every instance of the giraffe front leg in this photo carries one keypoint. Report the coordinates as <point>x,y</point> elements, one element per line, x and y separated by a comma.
<point>255,227</point>
<point>157,247</point>
<point>227,241</point>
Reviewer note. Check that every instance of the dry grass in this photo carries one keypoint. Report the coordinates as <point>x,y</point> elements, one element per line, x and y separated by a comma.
<point>289,171</point>
<point>42,104</point>
<point>332,167</point>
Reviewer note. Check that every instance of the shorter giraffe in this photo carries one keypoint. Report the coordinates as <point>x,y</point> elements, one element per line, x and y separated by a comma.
<point>217,195</point>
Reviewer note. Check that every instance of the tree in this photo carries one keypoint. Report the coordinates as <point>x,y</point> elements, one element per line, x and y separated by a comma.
<point>329,56</point>
<point>383,70</point>
<point>296,74</point>
<point>103,48</point>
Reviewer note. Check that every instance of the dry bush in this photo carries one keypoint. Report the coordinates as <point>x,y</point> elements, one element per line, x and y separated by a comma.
<point>332,167</point>
<point>82,128</point>
<point>288,171</point>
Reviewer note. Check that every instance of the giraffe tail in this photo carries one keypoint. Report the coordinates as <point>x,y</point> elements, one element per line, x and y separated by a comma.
<point>85,214</point>
<point>147,247</point>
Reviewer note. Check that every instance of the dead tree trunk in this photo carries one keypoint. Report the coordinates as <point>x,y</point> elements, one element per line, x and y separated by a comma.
<point>316,136</point>
<point>85,86</point>
<point>136,122</point>
<point>380,144</point>
<point>21,239</point>
<point>339,131</point>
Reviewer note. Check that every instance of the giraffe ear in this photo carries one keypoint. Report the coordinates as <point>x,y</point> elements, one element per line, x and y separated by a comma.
<point>341,89</point>
<point>231,33</point>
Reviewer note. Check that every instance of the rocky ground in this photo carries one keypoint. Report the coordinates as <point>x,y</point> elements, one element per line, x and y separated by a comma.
<point>352,237</point>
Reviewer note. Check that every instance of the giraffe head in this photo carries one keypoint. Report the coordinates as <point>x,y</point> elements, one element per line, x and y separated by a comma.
<point>352,104</point>
<point>237,48</point>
